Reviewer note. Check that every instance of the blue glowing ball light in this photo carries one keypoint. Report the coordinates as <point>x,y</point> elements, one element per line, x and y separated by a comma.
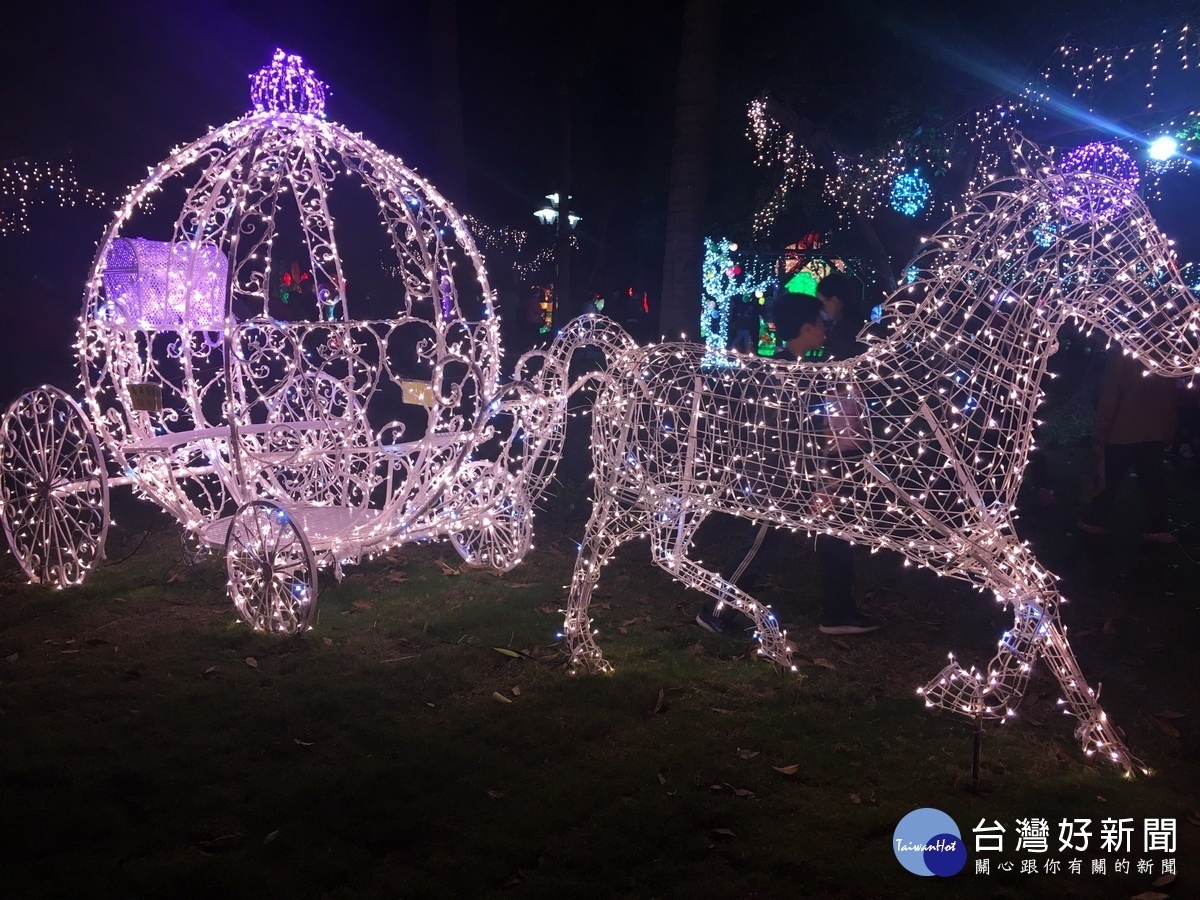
<point>910,193</point>
<point>1085,201</point>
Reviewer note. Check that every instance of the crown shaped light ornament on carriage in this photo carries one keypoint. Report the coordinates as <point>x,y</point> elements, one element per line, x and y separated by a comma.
<point>286,86</point>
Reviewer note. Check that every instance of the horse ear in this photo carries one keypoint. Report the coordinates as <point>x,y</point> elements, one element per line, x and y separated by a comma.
<point>1028,158</point>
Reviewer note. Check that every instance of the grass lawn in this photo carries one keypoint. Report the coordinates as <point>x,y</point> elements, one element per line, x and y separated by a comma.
<point>154,747</point>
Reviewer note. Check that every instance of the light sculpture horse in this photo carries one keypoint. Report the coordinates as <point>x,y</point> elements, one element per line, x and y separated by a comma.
<point>931,470</point>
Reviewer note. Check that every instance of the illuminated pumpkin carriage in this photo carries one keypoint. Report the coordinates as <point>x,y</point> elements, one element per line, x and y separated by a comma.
<point>288,434</point>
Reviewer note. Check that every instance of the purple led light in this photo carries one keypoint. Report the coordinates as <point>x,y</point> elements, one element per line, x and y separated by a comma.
<point>447,291</point>
<point>1085,200</point>
<point>286,86</point>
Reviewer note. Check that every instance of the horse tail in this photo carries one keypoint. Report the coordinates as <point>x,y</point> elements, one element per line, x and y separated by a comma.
<point>594,331</point>
<point>538,396</point>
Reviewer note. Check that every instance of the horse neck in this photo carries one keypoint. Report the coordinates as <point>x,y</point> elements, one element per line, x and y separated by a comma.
<point>1004,347</point>
<point>976,384</point>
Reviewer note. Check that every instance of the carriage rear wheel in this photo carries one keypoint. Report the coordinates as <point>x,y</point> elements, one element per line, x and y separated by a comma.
<point>272,570</point>
<point>53,487</point>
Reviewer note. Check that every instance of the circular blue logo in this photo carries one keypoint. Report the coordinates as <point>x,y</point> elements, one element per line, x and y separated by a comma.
<point>928,842</point>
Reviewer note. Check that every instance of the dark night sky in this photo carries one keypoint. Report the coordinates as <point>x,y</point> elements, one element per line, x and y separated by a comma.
<point>118,85</point>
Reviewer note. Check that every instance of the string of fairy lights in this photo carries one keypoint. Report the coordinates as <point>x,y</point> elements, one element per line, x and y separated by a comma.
<point>1075,80</point>
<point>511,245</point>
<point>26,184</point>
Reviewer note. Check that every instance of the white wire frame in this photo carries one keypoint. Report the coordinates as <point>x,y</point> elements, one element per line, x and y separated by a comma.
<point>303,413</point>
<point>916,446</point>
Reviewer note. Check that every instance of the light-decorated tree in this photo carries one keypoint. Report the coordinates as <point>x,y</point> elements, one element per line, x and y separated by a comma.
<point>722,280</point>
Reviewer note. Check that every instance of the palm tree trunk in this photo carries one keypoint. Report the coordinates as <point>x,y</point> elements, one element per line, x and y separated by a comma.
<point>691,165</point>
<point>450,166</point>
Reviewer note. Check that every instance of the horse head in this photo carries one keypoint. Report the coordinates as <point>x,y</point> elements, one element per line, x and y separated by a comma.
<point>1104,261</point>
<point>1050,244</point>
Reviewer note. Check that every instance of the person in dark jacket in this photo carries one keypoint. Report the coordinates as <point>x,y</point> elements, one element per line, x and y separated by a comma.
<point>1135,420</point>
<point>800,323</point>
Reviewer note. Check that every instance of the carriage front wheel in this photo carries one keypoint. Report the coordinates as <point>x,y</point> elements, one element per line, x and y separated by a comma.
<point>272,571</point>
<point>502,527</point>
<point>53,487</point>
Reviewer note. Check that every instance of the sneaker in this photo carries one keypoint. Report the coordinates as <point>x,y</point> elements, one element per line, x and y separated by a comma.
<point>856,625</point>
<point>1161,537</point>
<point>716,624</point>
<point>1087,528</point>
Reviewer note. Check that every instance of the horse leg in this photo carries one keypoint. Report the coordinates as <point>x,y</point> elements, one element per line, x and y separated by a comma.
<point>1036,632</point>
<point>607,528</point>
<point>670,539</point>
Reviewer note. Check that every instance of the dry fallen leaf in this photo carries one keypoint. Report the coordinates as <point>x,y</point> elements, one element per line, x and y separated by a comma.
<point>633,621</point>
<point>740,792</point>
<point>516,690</point>
<point>841,643</point>
<point>658,704</point>
<point>217,843</point>
<point>1169,714</point>
<point>721,832</point>
<point>209,671</point>
<point>361,604</point>
<point>328,641</point>
<point>302,743</point>
<point>252,662</point>
<point>824,663</point>
<point>1150,895</point>
<point>496,695</point>
<point>747,754</point>
<point>786,770</point>
<point>495,795</point>
<point>507,652</point>
<point>13,657</point>
<point>1165,727</point>
<point>1163,880</point>
<point>270,837</point>
<point>854,798</point>
<point>662,779</point>
<point>447,569</point>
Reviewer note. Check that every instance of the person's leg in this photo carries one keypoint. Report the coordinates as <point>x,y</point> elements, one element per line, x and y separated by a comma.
<point>1117,460</point>
<point>1152,479</point>
<point>752,557</point>
<point>758,548</point>
<point>836,559</point>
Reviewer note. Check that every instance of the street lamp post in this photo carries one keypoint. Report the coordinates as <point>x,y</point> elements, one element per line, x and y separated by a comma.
<point>549,215</point>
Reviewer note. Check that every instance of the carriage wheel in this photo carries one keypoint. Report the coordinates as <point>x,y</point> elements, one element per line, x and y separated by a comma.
<point>53,488</point>
<point>504,539</point>
<point>192,550</point>
<point>272,571</point>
